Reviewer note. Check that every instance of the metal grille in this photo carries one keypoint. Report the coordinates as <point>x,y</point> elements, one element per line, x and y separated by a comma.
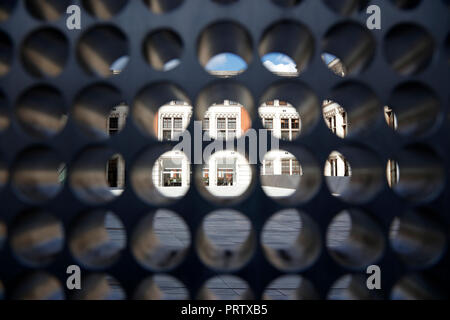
<point>48,71</point>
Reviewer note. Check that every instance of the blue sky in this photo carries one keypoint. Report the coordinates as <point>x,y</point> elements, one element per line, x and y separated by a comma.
<point>231,62</point>
<point>275,62</point>
<point>226,62</point>
<point>328,57</point>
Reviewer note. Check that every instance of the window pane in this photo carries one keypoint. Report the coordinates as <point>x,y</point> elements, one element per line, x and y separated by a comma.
<point>206,124</point>
<point>285,167</point>
<point>113,176</point>
<point>285,135</point>
<point>295,124</point>
<point>177,134</point>
<point>178,123</point>
<point>296,169</point>
<point>232,123</point>
<point>269,167</point>
<point>268,124</point>
<point>167,135</point>
<point>167,123</point>
<point>206,176</point>
<point>221,123</point>
<point>172,178</point>
<point>225,177</point>
<point>284,123</point>
<point>113,125</point>
<point>222,134</point>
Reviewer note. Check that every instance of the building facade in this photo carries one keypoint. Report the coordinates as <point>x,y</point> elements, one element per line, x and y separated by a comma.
<point>227,120</point>
<point>171,120</point>
<point>226,174</point>
<point>229,173</point>
<point>280,118</point>
<point>115,169</point>
<point>335,118</point>
<point>171,174</point>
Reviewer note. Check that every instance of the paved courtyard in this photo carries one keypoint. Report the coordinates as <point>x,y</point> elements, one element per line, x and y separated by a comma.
<point>228,230</point>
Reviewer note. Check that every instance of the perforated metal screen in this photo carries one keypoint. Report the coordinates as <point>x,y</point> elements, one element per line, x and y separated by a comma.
<point>56,82</point>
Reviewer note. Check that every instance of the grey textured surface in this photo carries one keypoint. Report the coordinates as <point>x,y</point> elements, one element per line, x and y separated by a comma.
<point>228,230</point>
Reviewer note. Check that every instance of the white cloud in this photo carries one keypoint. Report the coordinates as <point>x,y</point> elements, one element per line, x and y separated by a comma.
<point>120,63</point>
<point>172,64</point>
<point>217,62</point>
<point>284,59</point>
<point>291,67</point>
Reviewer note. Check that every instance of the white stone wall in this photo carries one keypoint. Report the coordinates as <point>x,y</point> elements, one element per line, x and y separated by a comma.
<point>277,156</point>
<point>340,165</point>
<point>225,110</point>
<point>174,110</point>
<point>179,157</point>
<point>243,174</point>
<point>277,112</point>
<point>120,112</point>
<point>333,109</point>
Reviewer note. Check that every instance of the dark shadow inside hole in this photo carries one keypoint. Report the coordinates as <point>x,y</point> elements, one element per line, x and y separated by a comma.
<point>161,240</point>
<point>226,240</point>
<point>37,237</point>
<point>406,4</point>
<point>355,175</point>
<point>163,6</point>
<point>4,112</point>
<point>42,111</point>
<point>225,2</point>
<point>148,103</point>
<point>420,174</point>
<point>99,286</point>
<point>418,287</point>
<point>89,176</point>
<point>36,174</point>
<point>409,48</point>
<point>352,287</point>
<point>224,38</point>
<point>45,52</point>
<point>3,234</point>
<point>416,107</point>
<point>291,45</point>
<point>291,240</point>
<point>6,53</point>
<point>163,50</point>
<point>103,51</point>
<point>417,238</point>
<point>361,108</point>
<point>346,7</point>
<point>93,108</point>
<point>104,9</point>
<point>287,3</point>
<point>352,43</point>
<point>354,239</point>
<point>38,286</point>
<point>6,9</point>
<point>301,97</point>
<point>97,239</point>
<point>47,10</point>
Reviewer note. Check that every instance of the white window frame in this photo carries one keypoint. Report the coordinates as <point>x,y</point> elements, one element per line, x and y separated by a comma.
<point>227,129</point>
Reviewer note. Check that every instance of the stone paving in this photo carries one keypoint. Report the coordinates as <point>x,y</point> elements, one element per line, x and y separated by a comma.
<point>227,230</point>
